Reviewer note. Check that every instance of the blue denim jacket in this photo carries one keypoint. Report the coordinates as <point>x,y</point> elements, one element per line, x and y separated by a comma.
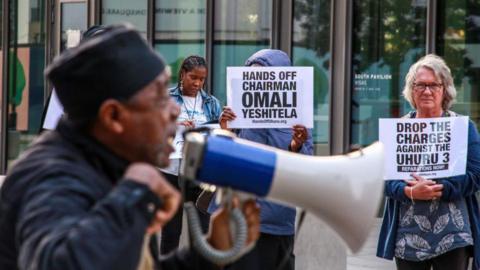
<point>211,105</point>
<point>462,186</point>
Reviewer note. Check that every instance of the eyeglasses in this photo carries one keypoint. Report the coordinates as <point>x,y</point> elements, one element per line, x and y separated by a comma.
<point>421,87</point>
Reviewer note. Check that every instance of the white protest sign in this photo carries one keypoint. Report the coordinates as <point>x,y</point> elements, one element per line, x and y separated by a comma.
<point>429,147</point>
<point>270,97</point>
<point>54,112</point>
<point>178,141</point>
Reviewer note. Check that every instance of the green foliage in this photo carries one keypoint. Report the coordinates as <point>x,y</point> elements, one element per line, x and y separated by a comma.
<point>315,22</point>
<point>16,80</point>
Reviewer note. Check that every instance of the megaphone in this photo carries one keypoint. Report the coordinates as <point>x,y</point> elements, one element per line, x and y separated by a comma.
<point>344,191</point>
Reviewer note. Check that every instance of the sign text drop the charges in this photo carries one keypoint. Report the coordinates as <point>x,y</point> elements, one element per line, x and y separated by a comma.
<point>268,97</point>
<point>430,147</point>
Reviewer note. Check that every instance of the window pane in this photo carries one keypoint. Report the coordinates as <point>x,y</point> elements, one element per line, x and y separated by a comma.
<point>134,12</point>
<point>458,42</point>
<point>26,59</point>
<point>388,36</point>
<point>241,27</point>
<point>179,31</point>
<point>73,24</point>
<point>311,47</point>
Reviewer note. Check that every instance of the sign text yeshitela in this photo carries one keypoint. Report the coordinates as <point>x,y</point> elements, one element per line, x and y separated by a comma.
<point>269,97</point>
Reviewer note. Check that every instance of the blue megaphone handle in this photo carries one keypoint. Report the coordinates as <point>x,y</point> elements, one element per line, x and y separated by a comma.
<point>240,166</point>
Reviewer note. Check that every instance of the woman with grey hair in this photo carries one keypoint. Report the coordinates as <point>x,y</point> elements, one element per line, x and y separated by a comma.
<point>441,71</point>
<point>433,222</point>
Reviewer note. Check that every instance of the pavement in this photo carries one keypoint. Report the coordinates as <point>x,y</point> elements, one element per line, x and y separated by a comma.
<point>365,259</point>
<point>317,247</point>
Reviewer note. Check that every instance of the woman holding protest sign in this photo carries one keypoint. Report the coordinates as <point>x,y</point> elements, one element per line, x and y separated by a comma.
<point>197,108</point>
<point>433,222</point>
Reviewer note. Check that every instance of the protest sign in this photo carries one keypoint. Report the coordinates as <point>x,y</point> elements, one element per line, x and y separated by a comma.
<point>270,97</point>
<point>178,141</point>
<point>429,147</point>
<point>54,112</point>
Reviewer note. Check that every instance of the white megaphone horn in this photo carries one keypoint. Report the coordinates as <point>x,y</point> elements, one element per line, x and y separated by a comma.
<point>344,191</point>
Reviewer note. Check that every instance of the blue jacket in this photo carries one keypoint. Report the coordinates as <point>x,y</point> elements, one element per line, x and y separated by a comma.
<point>463,186</point>
<point>211,105</point>
<point>274,218</point>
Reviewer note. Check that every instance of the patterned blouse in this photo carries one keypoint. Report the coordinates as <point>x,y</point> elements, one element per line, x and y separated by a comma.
<point>430,228</point>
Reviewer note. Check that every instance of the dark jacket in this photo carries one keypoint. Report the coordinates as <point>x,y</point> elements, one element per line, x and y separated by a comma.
<point>64,206</point>
<point>454,188</point>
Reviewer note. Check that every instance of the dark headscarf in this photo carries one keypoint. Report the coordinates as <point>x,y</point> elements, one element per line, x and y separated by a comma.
<point>269,58</point>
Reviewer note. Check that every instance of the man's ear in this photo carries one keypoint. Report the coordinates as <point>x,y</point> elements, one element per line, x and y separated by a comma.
<point>112,115</point>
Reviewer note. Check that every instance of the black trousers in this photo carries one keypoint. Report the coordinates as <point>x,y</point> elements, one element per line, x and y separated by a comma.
<point>268,253</point>
<point>456,259</point>
<point>173,229</point>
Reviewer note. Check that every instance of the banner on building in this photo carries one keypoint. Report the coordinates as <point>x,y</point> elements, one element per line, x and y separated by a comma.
<point>429,147</point>
<point>270,97</point>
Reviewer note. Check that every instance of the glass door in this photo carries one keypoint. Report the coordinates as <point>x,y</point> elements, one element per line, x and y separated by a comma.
<point>120,11</point>
<point>388,37</point>
<point>179,31</point>
<point>311,47</point>
<point>458,42</point>
<point>71,21</point>
<point>241,27</point>
<point>26,63</point>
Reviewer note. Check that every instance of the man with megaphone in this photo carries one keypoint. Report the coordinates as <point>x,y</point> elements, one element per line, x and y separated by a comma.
<point>277,225</point>
<point>88,195</point>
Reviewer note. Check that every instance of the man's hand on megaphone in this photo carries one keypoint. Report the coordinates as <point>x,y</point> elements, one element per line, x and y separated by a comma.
<point>420,188</point>
<point>219,235</point>
<point>299,136</point>
<point>227,115</point>
<point>148,175</point>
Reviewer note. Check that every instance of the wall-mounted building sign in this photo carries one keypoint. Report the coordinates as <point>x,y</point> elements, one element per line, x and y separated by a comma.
<point>186,17</point>
<point>134,12</point>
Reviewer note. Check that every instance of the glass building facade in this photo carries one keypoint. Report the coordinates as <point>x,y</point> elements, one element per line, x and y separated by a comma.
<point>360,51</point>
<point>23,61</point>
